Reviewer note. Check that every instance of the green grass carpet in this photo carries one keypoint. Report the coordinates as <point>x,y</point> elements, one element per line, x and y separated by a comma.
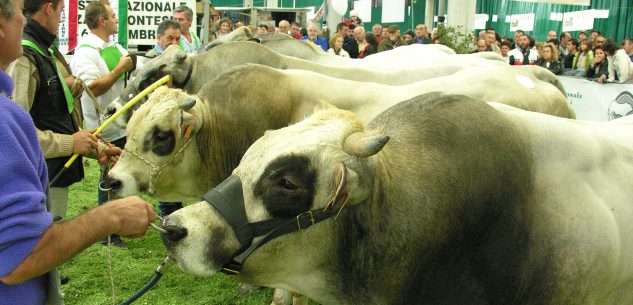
<point>134,267</point>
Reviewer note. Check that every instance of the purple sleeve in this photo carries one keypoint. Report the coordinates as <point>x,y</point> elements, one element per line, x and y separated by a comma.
<point>23,178</point>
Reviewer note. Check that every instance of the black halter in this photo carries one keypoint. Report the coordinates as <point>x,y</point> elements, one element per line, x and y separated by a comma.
<point>227,199</point>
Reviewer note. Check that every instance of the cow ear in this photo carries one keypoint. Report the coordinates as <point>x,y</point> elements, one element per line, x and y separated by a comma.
<point>353,190</point>
<point>191,121</point>
<point>363,144</point>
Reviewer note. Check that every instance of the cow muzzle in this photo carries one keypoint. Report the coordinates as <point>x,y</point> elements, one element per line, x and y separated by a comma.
<point>227,199</point>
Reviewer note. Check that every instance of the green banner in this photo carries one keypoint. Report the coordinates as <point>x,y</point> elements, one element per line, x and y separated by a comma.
<point>123,23</point>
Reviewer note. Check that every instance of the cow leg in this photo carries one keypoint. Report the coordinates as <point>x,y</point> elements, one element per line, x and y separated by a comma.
<point>298,299</point>
<point>281,297</point>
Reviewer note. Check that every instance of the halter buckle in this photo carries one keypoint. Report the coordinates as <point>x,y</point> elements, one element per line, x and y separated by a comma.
<point>305,214</point>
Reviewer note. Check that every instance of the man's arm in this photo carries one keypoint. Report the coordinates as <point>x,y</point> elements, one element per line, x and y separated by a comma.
<point>101,85</point>
<point>622,65</point>
<point>26,78</point>
<point>128,217</point>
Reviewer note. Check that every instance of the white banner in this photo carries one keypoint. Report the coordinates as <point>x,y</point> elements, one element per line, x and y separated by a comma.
<point>480,21</point>
<point>393,11</point>
<point>598,102</point>
<point>569,2</point>
<point>578,21</point>
<point>143,18</point>
<point>363,8</point>
<point>524,22</point>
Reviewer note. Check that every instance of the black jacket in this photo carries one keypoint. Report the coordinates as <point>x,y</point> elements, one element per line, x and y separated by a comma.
<point>50,110</point>
<point>554,66</point>
<point>603,68</point>
<point>351,46</point>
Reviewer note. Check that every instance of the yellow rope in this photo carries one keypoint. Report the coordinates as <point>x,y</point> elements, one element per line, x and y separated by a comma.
<point>128,105</point>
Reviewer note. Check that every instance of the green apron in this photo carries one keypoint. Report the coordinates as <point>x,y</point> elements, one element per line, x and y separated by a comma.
<point>111,55</point>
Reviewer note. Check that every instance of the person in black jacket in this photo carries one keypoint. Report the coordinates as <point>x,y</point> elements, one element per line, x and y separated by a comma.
<point>549,60</point>
<point>372,45</point>
<point>599,69</point>
<point>349,43</point>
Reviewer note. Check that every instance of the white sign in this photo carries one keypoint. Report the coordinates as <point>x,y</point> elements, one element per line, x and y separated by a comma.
<point>578,21</point>
<point>363,8</point>
<point>598,102</point>
<point>508,19</point>
<point>600,14</point>
<point>523,22</point>
<point>495,18</point>
<point>143,18</point>
<point>480,21</point>
<point>569,2</point>
<point>393,11</point>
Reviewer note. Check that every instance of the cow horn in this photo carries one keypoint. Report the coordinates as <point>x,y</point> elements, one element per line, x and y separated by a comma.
<point>363,145</point>
<point>187,104</point>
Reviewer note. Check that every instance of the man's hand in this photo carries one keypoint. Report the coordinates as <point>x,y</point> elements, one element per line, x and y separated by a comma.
<point>112,153</point>
<point>132,216</point>
<point>601,79</point>
<point>76,86</point>
<point>83,142</point>
<point>126,63</point>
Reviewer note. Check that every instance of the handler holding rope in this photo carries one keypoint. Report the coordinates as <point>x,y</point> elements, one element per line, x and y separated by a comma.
<point>31,245</point>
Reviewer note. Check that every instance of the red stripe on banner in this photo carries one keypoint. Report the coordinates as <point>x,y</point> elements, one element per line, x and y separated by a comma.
<point>72,25</point>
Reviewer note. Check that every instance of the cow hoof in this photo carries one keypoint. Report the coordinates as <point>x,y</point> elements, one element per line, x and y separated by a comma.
<point>244,288</point>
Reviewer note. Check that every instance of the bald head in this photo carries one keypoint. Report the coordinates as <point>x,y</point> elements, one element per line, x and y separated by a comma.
<point>284,26</point>
<point>551,35</point>
<point>359,34</point>
<point>377,30</point>
<point>313,31</point>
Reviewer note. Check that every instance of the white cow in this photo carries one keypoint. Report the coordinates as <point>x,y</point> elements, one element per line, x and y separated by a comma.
<point>439,200</point>
<point>236,109</point>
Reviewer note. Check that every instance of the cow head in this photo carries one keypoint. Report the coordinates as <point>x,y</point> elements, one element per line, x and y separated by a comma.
<point>319,164</point>
<point>172,62</point>
<point>240,34</point>
<point>157,157</point>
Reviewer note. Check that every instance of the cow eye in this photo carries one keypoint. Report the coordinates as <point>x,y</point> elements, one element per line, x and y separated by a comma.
<point>287,184</point>
<point>162,137</point>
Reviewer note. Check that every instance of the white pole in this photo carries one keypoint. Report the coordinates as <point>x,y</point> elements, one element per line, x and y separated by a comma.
<point>205,22</point>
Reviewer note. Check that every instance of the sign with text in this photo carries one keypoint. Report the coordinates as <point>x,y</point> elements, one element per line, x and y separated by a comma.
<point>568,2</point>
<point>480,21</point>
<point>143,18</point>
<point>578,21</point>
<point>523,22</point>
<point>598,102</point>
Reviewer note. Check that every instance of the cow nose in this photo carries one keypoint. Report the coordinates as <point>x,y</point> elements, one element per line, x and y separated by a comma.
<point>174,233</point>
<point>110,184</point>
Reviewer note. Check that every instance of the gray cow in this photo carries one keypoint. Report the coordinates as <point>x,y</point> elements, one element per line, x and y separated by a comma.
<point>440,200</point>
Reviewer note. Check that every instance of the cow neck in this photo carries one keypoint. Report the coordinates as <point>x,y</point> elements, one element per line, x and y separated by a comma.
<point>227,199</point>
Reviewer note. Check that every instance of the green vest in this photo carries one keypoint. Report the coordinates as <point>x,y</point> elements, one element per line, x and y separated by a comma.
<point>111,55</point>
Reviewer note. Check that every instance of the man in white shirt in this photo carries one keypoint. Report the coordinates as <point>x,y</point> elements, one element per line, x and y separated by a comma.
<point>621,64</point>
<point>522,54</point>
<point>189,42</point>
<point>102,66</point>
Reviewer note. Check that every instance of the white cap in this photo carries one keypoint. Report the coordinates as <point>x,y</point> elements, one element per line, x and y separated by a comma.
<point>353,13</point>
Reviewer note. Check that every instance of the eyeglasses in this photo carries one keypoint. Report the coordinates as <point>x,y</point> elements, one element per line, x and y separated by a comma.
<point>600,41</point>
